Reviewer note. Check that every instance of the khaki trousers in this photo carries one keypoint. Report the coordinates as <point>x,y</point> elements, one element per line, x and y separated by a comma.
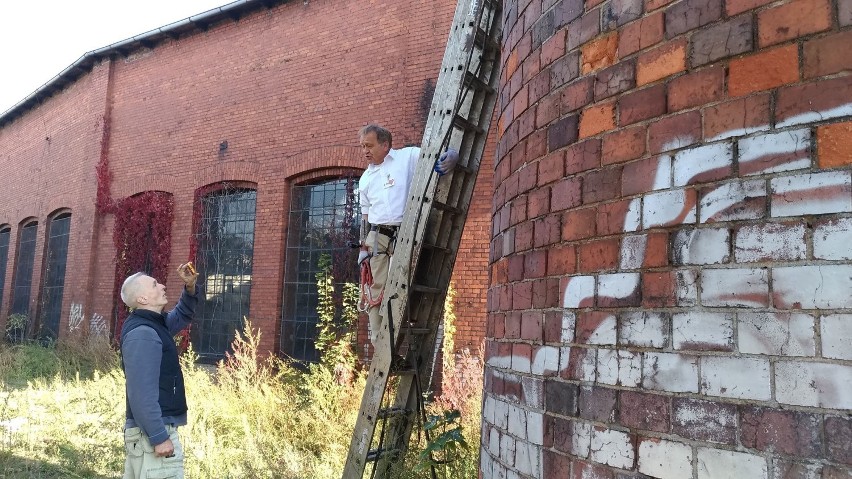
<point>382,249</point>
<point>141,463</point>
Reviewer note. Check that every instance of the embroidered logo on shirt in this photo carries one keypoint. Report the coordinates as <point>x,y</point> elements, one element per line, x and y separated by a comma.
<point>390,182</point>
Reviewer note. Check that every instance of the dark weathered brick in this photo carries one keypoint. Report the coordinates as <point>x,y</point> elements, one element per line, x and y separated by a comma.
<point>543,29</point>
<point>565,69</point>
<point>561,397</point>
<point>642,105</point>
<point>566,11</point>
<point>844,12</point>
<point>690,14</point>
<point>578,94</point>
<point>601,185</point>
<point>704,420</point>
<point>618,12</point>
<point>674,132</point>
<point>562,132</point>
<point>615,79</point>
<point>722,40</point>
<point>583,156</point>
<point>584,28</point>
<point>838,438</point>
<point>787,432</point>
<point>598,403</point>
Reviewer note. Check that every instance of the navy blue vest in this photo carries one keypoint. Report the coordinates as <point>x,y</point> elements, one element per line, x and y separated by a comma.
<point>172,394</point>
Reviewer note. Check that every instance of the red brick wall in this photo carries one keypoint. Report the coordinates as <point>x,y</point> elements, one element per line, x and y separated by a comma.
<point>670,262</point>
<point>47,163</point>
<point>287,88</point>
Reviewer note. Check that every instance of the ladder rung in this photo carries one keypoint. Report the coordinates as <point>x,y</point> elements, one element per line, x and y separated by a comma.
<point>424,289</point>
<point>447,208</point>
<point>473,81</point>
<point>434,247</point>
<point>466,125</point>
<point>484,41</point>
<point>392,412</point>
<point>376,454</point>
<point>416,331</point>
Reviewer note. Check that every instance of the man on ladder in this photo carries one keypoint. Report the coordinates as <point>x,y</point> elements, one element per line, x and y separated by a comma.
<point>383,190</point>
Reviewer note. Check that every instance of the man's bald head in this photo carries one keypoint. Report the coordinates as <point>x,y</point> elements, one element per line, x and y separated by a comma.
<point>131,289</point>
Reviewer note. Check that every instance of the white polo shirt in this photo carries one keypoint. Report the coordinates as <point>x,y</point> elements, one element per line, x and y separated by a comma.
<point>383,188</point>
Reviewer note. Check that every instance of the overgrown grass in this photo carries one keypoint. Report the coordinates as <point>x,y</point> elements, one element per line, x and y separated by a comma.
<point>62,411</point>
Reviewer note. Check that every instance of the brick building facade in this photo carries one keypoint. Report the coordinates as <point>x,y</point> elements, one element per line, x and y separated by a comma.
<point>670,259</point>
<point>265,98</point>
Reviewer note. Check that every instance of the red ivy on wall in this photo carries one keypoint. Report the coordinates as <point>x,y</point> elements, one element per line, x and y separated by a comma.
<point>143,240</point>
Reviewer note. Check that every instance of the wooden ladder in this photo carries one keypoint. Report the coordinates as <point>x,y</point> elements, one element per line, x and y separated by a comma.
<point>427,242</point>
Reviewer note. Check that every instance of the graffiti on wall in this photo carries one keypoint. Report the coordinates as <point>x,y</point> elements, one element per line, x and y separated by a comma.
<point>76,319</point>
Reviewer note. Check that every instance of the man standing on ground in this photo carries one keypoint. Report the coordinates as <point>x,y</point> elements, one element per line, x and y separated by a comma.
<point>156,400</point>
<point>383,190</point>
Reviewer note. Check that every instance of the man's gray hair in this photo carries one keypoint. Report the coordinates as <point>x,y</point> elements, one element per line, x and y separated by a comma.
<point>130,288</point>
<point>383,135</point>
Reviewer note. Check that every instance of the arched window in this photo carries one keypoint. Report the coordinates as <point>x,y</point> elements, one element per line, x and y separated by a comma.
<point>324,219</point>
<point>5,233</point>
<point>225,241</point>
<point>54,275</point>
<point>22,282</point>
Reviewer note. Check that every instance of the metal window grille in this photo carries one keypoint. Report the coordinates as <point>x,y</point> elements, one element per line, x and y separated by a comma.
<point>225,254</point>
<point>4,255</point>
<point>54,278</point>
<point>22,284</point>
<point>323,220</point>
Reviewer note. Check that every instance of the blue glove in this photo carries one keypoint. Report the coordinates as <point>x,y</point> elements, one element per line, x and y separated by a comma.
<point>362,255</point>
<point>446,162</point>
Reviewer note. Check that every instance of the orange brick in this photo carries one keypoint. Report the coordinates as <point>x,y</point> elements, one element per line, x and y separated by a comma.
<point>641,34</point>
<point>661,62</point>
<point>834,145</point>
<point>762,71</point>
<point>599,53</point>
<point>793,20</point>
<point>596,119</point>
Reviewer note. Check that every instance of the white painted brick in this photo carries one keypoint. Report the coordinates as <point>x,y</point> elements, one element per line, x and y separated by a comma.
<point>535,427</point>
<point>741,378</point>
<point>832,240</point>
<point>633,216</point>
<point>633,251</point>
<point>485,463</point>
<point>533,392</point>
<point>512,474</point>
<point>605,333</point>
<point>811,194</point>
<point>503,362</point>
<point>812,287</point>
<point>770,241</point>
<point>517,422</point>
<point>619,285</point>
<point>813,384</point>
<point>691,163</point>
<point>735,287</point>
<point>501,414</point>
<point>494,442</point>
<point>581,439</point>
<point>784,151</point>
<point>619,367</point>
<point>666,208</point>
<point>579,288</point>
<point>701,246</point>
<point>721,464</point>
<point>545,360</point>
<point>836,336</point>
<point>739,132</point>
<point>488,409</point>
<point>612,448</point>
<point>670,372</point>
<point>507,449</point>
<point>569,325</point>
<point>527,458</point>
<point>817,116</point>
<point>521,364</point>
<point>725,202</point>
<point>703,331</point>
<point>643,329</point>
<point>687,287</point>
<point>665,459</point>
<point>777,334</point>
<point>663,175</point>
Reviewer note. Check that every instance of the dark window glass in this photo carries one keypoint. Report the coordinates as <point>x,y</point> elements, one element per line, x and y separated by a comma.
<point>23,281</point>
<point>323,221</point>
<point>54,276</point>
<point>225,253</point>
<point>4,255</point>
